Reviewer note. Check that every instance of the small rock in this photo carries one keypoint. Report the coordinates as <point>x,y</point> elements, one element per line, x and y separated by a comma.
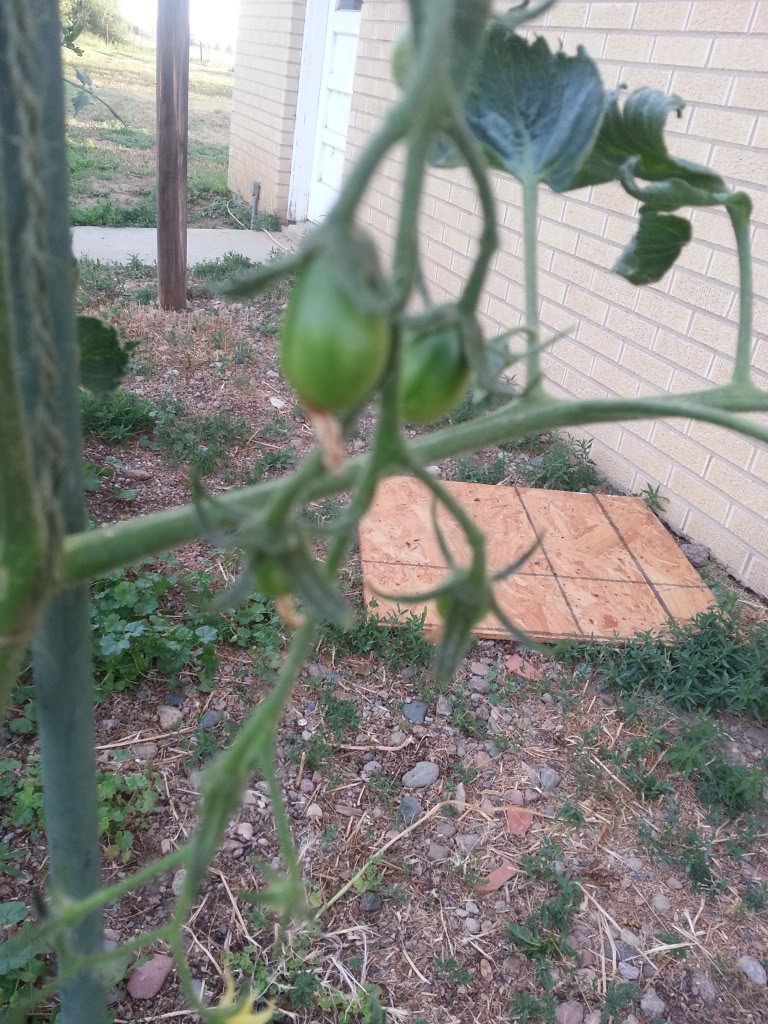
<point>307,786</point>
<point>178,882</point>
<point>550,779</point>
<point>594,1017</point>
<point>443,708</point>
<point>145,751</point>
<point>674,883</point>
<point>531,796</point>
<point>245,831</point>
<point>146,981</point>
<point>514,797</point>
<point>169,718</point>
<point>628,971</point>
<point>437,852</point>
<point>697,554</point>
<point>460,797</point>
<point>174,700</point>
<point>652,1004</point>
<point>397,738</point>
<point>486,971</point>
<point>468,842</point>
<point>445,829</point>
<point>472,925</point>
<point>371,768</point>
<point>479,685</point>
<point>472,908</point>
<point>479,668</point>
<point>210,719</point>
<point>623,950</point>
<point>370,902</point>
<point>423,774</point>
<point>314,811</point>
<point>433,470</point>
<point>703,986</point>
<point>416,712</point>
<point>661,903</point>
<point>753,970</point>
<point>533,774</point>
<point>410,810</point>
<point>570,1013</point>
<point>277,403</point>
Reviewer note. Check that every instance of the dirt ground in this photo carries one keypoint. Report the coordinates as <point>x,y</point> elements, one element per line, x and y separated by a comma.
<point>524,788</point>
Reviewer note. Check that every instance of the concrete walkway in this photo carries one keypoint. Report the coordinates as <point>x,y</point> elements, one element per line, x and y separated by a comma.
<point>118,245</point>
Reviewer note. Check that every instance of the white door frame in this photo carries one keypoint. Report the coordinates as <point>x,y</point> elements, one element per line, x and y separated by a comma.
<point>308,107</point>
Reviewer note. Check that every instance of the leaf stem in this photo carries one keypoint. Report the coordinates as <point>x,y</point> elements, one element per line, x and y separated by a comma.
<point>530,243</point>
<point>739,208</point>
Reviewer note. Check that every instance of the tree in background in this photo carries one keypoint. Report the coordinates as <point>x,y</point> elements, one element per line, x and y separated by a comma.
<point>102,17</point>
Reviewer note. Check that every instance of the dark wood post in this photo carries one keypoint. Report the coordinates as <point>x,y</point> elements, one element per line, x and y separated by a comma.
<point>172,135</point>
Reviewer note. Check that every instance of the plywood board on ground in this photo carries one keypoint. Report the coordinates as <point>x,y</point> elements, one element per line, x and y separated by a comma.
<point>605,566</point>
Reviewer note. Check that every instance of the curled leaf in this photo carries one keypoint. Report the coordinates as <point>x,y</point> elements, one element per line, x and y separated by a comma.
<point>655,248</point>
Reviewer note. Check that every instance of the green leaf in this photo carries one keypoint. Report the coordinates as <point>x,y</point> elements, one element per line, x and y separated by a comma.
<point>537,113</point>
<point>637,131</point>
<point>652,252</point>
<point>80,101</point>
<point>12,913</point>
<point>103,357</point>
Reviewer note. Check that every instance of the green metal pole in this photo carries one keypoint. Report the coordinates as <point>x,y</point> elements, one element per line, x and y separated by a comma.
<point>40,270</point>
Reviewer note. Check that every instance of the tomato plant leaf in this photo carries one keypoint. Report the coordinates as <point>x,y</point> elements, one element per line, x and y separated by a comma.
<point>655,248</point>
<point>103,357</point>
<point>637,130</point>
<point>536,113</point>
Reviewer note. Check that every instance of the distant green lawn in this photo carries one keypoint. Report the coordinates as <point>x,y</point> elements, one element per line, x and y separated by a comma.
<point>112,165</point>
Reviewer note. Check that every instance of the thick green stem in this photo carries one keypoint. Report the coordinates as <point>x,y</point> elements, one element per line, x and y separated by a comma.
<point>22,530</point>
<point>531,260</point>
<point>88,555</point>
<point>35,187</point>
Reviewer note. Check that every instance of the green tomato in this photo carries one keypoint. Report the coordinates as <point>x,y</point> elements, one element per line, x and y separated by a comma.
<point>269,579</point>
<point>332,352</point>
<point>434,376</point>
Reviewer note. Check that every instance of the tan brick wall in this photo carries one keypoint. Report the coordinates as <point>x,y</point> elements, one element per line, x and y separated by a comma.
<point>623,340</point>
<point>269,44</point>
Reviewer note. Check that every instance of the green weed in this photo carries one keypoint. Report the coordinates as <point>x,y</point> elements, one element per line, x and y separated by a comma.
<point>472,470</point>
<point>710,663</point>
<point>754,898</point>
<point>340,716</point>
<point>653,498</point>
<point>619,998</point>
<point>451,972</point>
<point>107,213</point>
<point>397,641</point>
<point>272,463</point>
<point>528,1009</point>
<point>116,416</point>
<point>202,442</point>
<point>565,466</point>
<point>685,848</point>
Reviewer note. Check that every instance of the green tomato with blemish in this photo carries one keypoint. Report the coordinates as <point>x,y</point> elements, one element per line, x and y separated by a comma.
<point>332,352</point>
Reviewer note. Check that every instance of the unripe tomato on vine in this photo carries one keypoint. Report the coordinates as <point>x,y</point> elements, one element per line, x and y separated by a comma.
<point>332,352</point>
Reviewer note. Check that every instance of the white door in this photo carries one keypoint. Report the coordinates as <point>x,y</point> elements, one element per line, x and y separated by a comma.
<point>335,104</point>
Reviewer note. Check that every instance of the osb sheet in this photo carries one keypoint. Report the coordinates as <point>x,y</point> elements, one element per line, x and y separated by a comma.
<point>605,565</point>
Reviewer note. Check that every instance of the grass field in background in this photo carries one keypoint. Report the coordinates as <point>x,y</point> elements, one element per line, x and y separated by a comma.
<point>112,165</point>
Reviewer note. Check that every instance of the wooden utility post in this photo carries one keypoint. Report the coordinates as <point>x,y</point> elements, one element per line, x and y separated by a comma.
<point>172,136</point>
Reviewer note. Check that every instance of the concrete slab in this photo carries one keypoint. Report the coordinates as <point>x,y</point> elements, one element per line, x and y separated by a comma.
<point>118,245</point>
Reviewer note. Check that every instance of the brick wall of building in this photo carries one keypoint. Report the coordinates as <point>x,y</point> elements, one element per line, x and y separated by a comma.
<point>675,336</point>
<point>270,36</point>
